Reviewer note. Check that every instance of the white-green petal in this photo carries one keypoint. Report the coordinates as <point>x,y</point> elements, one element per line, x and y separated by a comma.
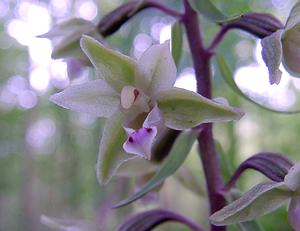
<point>260,200</point>
<point>117,69</point>
<point>94,97</point>
<point>294,17</point>
<point>65,37</point>
<point>272,55</point>
<point>292,179</point>
<point>68,27</point>
<point>291,42</point>
<point>111,154</point>
<point>157,69</point>
<point>183,109</point>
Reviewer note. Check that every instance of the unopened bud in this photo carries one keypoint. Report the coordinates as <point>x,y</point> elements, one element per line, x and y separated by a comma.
<point>258,24</point>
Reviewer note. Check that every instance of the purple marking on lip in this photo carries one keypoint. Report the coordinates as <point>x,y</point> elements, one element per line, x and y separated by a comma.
<point>140,142</point>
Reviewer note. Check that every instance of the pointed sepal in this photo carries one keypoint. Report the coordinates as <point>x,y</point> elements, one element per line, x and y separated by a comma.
<point>258,201</point>
<point>183,109</point>
<point>117,69</point>
<point>272,55</point>
<point>94,97</point>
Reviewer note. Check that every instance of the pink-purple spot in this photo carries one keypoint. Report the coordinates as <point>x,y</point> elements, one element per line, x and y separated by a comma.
<point>149,130</point>
<point>130,139</point>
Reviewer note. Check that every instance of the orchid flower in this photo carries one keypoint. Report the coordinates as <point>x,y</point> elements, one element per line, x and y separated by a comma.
<point>283,46</point>
<point>139,100</point>
<point>265,198</point>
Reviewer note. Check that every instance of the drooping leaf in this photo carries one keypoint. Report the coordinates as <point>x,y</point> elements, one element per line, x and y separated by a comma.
<point>275,166</point>
<point>111,154</point>
<point>117,69</point>
<point>258,201</point>
<point>176,42</point>
<point>174,160</point>
<point>94,97</point>
<point>157,67</point>
<point>183,109</point>
<point>292,179</point>
<point>148,220</point>
<point>272,55</point>
<point>208,10</point>
<point>227,75</point>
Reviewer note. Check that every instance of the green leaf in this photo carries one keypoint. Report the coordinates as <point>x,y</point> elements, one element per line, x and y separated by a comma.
<point>272,55</point>
<point>176,42</point>
<point>227,75</point>
<point>175,159</point>
<point>111,154</point>
<point>258,201</point>
<point>207,9</point>
<point>183,109</point>
<point>117,69</point>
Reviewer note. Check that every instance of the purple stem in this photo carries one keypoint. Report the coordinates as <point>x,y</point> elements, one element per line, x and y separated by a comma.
<point>218,38</point>
<point>163,8</point>
<point>201,59</point>
<point>115,19</point>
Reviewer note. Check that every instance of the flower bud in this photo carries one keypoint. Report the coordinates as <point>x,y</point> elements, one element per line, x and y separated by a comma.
<point>258,24</point>
<point>115,19</point>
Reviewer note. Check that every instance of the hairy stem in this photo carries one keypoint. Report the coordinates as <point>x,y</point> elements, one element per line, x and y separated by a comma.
<point>201,59</point>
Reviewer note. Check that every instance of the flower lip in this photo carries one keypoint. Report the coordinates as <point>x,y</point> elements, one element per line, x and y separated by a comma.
<point>139,142</point>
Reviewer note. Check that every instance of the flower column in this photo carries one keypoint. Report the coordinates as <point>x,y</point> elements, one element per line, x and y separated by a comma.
<point>201,58</point>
